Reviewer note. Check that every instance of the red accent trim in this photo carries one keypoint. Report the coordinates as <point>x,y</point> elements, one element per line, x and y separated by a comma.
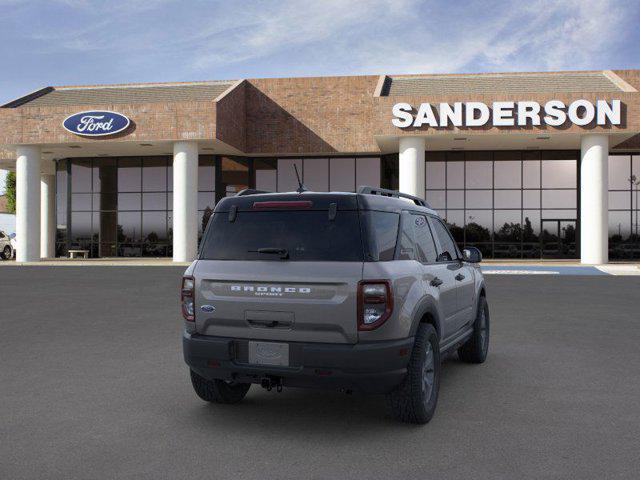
<point>283,204</point>
<point>389,304</point>
<point>187,293</point>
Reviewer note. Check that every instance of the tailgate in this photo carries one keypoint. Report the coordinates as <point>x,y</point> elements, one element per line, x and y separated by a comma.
<point>278,300</point>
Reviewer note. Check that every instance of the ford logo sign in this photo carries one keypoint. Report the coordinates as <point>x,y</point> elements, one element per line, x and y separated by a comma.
<point>207,308</point>
<point>96,123</point>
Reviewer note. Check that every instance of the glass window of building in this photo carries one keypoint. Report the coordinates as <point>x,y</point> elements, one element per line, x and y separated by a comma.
<point>624,198</point>
<point>504,198</point>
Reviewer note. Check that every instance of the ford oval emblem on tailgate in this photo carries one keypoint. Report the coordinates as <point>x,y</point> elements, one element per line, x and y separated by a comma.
<point>207,308</point>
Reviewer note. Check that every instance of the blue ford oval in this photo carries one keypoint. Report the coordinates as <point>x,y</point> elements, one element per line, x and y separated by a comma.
<point>96,123</point>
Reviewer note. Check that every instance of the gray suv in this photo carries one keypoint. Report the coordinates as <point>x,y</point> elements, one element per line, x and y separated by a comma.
<point>358,292</point>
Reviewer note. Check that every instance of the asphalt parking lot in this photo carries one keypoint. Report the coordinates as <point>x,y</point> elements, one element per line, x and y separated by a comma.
<point>92,385</point>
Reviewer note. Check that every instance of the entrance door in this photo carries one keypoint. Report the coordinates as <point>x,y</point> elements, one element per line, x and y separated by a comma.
<point>558,238</point>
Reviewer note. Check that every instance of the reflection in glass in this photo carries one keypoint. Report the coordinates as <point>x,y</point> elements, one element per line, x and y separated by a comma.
<point>559,214</point>
<point>154,227</point>
<point>624,198</point>
<point>316,174</point>
<point>436,198</point>
<point>129,174</point>
<point>266,174</point>
<point>455,198</point>
<point>507,226</point>
<point>154,201</point>
<point>619,172</point>
<point>81,175</point>
<point>61,192</point>
<point>559,199</point>
<point>129,201</point>
<point>507,181</point>
<point>367,171</point>
<point>507,174</point>
<point>531,174</point>
<point>81,202</point>
<point>287,181</point>
<point>455,222</point>
<point>342,175</point>
<point>531,199</point>
<point>507,199</point>
<point>455,174</point>
<point>234,174</point>
<point>206,173</point>
<point>206,199</point>
<point>154,174</point>
<point>435,173</point>
<point>129,227</point>
<point>479,174</point>
<point>479,198</point>
<point>478,226</point>
<point>559,173</point>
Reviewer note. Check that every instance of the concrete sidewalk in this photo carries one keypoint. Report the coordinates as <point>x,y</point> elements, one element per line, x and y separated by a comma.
<point>489,266</point>
<point>99,262</point>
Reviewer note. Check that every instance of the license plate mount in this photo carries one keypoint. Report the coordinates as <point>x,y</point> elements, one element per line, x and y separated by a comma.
<point>269,353</point>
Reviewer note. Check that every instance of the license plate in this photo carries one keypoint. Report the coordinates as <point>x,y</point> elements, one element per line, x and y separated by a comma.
<point>269,353</point>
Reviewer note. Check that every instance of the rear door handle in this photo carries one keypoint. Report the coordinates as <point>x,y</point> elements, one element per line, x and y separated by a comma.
<point>459,277</point>
<point>436,282</point>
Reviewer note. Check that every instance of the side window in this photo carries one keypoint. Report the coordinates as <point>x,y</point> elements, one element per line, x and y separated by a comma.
<point>424,241</point>
<point>448,250</point>
<point>384,232</point>
<point>407,250</point>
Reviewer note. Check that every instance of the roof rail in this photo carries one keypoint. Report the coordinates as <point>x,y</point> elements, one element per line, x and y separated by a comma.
<point>250,191</point>
<point>392,193</point>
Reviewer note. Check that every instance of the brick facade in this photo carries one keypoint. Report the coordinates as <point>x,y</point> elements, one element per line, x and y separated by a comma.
<point>289,116</point>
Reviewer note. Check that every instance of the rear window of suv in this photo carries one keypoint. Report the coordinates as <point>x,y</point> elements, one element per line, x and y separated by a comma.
<point>305,235</point>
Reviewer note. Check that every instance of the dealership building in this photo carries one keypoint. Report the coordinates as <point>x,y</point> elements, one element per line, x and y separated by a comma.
<point>521,165</point>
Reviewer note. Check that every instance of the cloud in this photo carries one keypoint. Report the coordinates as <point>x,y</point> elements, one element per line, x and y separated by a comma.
<point>542,35</point>
<point>80,41</point>
<point>290,24</point>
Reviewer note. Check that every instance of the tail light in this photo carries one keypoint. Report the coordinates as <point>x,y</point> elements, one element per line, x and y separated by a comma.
<point>187,299</point>
<point>375,303</point>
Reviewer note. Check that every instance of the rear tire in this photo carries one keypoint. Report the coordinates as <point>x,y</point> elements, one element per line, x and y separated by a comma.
<point>218,391</point>
<point>7,253</point>
<point>476,348</point>
<point>415,399</point>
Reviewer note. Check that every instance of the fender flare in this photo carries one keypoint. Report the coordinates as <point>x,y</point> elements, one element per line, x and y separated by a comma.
<point>427,305</point>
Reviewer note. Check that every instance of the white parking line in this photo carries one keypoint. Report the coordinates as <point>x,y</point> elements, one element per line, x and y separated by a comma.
<point>520,272</point>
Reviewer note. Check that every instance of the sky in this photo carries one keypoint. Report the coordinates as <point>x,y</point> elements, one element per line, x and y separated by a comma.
<point>76,42</point>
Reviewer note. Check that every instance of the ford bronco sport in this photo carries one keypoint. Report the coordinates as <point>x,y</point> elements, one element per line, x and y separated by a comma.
<point>358,291</point>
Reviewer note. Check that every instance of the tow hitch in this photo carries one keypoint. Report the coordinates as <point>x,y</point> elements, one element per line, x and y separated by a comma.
<point>270,382</point>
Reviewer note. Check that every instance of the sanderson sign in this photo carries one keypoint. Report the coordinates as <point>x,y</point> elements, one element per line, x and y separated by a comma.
<point>507,114</point>
<point>96,123</point>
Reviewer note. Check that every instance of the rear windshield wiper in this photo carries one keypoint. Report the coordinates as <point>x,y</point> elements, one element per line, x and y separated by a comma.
<point>284,254</point>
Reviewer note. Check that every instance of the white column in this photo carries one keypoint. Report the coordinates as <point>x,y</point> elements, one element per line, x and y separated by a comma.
<point>28,203</point>
<point>48,210</point>
<point>185,201</point>
<point>412,166</point>
<point>594,200</point>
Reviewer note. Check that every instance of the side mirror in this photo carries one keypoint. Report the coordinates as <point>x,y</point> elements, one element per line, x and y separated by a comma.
<point>472,255</point>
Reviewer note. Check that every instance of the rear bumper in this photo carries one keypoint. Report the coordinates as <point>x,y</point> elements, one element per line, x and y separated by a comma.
<point>375,367</point>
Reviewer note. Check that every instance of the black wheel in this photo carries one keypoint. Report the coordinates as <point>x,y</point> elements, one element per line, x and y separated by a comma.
<point>218,391</point>
<point>6,253</point>
<point>476,348</point>
<point>414,401</point>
